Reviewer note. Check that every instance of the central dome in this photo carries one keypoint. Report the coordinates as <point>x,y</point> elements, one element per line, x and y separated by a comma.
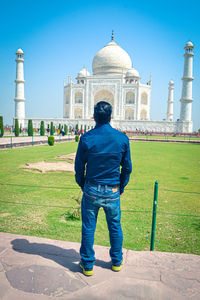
<point>112,59</point>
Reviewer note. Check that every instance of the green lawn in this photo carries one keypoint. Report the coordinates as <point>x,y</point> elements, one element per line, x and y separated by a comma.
<point>162,137</point>
<point>35,203</point>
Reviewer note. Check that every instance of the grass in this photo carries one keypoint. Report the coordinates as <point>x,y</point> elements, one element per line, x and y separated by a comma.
<point>34,203</point>
<point>162,137</point>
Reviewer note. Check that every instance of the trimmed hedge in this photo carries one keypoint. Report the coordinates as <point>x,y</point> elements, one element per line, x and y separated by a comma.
<point>52,129</point>
<point>42,129</point>
<point>66,129</point>
<point>51,140</point>
<point>30,128</point>
<point>1,126</point>
<point>77,138</point>
<point>16,127</point>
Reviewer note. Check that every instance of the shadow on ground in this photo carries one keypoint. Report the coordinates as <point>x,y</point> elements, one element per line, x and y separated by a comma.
<point>67,258</point>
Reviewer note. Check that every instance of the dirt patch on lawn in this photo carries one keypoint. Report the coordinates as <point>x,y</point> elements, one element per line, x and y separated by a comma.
<point>45,166</point>
<point>55,166</point>
<point>67,157</point>
<point>5,214</point>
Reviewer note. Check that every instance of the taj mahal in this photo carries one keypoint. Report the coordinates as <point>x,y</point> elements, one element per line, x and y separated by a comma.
<point>115,80</point>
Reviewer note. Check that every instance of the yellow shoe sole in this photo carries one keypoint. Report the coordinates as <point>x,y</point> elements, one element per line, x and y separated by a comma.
<point>117,268</point>
<point>85,272</point>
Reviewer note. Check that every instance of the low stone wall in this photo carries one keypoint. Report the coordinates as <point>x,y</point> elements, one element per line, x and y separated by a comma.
<point>128,125</point>
<point>6,143</point>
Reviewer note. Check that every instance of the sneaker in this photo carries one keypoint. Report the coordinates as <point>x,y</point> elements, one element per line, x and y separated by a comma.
<point>86,272</point>
<point>117,268</point>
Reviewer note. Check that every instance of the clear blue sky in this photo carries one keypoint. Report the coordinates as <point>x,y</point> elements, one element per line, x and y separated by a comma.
<point>59,37</point>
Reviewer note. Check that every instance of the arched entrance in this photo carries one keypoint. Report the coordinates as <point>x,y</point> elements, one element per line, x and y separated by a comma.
<point>105,95</point>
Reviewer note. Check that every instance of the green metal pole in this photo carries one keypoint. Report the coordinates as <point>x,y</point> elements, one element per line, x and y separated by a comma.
<point>153,229</point>
<point>11,142</point>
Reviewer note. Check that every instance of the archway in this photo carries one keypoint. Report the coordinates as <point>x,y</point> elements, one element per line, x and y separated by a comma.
<point>144,98</point>
<point>130,98</point>
<point>78,97</point>
<point>78,113</point>
<point>143,115</point>
<point>129,114</point>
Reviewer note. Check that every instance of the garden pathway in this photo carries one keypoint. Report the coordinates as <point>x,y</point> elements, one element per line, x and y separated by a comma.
<point>45,269</point>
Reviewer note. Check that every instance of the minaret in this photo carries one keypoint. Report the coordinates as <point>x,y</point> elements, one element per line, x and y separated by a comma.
<point>186,97</point>
<point>19,89</point>
<point>170,102</point>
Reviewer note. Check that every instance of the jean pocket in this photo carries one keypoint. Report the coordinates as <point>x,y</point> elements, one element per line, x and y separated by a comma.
<point>90,196</point>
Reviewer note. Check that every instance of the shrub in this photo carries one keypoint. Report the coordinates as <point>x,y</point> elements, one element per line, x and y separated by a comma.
<point>66,129</point>
<point>77,138</point>
<point>52,129</point>
<point>85,128</point>
<point>16,127</point>
<point>124,132</point>
<point>74,214</point>
<point>42,129</point>
<point>76,127</point>
<point>1,126</point>
<point>51,140</point>
<point>30,128</point>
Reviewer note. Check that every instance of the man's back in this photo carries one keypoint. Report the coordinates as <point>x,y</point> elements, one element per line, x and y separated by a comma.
<point>103,149</point>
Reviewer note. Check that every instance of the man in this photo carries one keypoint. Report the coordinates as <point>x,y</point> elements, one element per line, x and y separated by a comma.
<point>100,153</point>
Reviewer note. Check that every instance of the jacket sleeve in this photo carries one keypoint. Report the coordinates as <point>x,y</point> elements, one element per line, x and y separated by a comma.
<point>80,163</point>
<point>126,168</point>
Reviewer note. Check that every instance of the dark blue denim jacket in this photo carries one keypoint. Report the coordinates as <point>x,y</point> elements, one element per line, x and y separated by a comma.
<point>100,153</point>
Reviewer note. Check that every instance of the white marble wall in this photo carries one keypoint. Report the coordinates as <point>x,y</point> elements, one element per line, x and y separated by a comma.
<point>151,126</point>
<point>117,88</point>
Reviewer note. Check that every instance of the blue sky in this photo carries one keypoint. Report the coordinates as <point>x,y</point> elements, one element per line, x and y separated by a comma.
<point>59,37</point>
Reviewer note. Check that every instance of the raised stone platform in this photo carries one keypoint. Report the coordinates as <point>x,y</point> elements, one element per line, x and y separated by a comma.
<point>40,268</point>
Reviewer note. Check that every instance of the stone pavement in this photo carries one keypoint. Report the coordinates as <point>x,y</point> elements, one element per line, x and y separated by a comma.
<point>39,268</point>
<point>5,142</point>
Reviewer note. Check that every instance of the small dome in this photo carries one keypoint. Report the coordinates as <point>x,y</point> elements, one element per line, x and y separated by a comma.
<point>83,73</point>
<point>189,45</point>
<point>19,51</point>
<point>132,73</point>
<point>171,82</point>
<point>111,59</point>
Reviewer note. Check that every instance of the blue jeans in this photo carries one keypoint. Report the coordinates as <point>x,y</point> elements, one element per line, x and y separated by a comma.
<point>93,199</point>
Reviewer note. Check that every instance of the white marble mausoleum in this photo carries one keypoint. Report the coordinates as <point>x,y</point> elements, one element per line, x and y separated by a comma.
<point>115,80</point>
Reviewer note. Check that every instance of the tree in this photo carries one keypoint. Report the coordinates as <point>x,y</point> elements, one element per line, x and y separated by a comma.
<point>30,128</point>
<point>76,126</point>
<point>85,128</point>
<point>42,129</point>
<point>52,129</point>
<point>20,129</point>
<point>16,127</point>
<point>1,126</point>
<point>66,129</point>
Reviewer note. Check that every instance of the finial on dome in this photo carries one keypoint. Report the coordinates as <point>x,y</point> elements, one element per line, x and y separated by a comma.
<point>112,36</point>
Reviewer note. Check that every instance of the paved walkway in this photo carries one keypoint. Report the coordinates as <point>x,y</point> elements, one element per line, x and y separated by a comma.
<point>29,140</point>
<point>40,268</point>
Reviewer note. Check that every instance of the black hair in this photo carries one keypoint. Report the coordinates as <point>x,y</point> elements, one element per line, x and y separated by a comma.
<point>102,112</point>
